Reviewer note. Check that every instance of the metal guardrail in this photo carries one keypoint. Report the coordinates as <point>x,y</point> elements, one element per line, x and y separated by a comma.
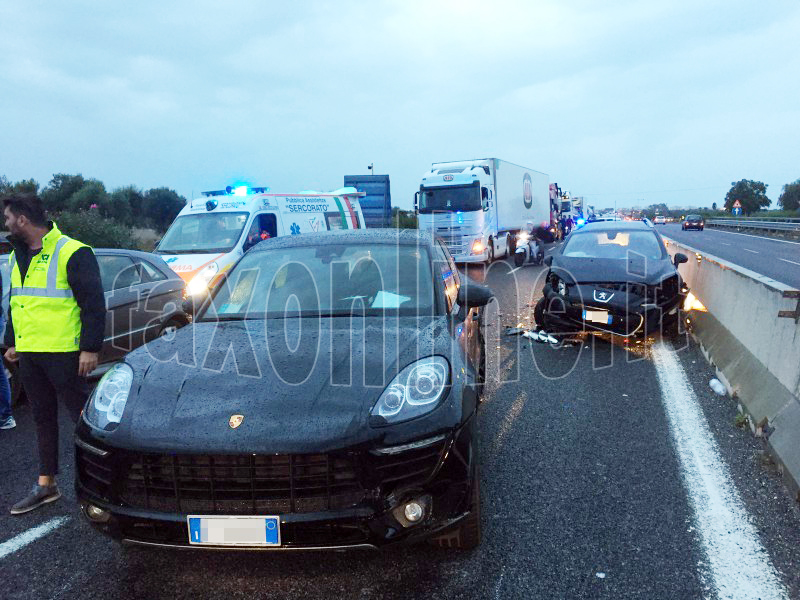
<point>783,225</point>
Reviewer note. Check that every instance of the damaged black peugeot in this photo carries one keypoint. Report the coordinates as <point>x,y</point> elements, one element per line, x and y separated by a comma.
<point>614,277</point>
<point>325,397</point>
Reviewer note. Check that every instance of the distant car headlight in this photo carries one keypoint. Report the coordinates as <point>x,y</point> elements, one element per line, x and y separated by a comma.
<point>107,402</point>
<point>415,391</point>
<point>199,283</point>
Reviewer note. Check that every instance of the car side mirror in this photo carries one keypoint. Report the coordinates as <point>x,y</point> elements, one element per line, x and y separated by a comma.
<point>680,258</point>
<point>416,201</point>
<point>548,260</point>
<point>474,295</point>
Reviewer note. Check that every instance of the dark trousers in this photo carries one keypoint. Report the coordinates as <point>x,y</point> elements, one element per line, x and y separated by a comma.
<point>49,377</point>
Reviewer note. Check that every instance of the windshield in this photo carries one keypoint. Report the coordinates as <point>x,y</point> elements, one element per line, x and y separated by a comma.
<point>330,280</point>
<point>613,244</point>
<point>693,218</point>
<point>203,233</point>
<point>463,198</point>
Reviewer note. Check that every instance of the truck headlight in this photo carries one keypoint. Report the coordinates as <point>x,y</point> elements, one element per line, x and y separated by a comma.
<point>199,283</point>
<point>107,402</point>
<point>415,391</point>
<point>477,247</point>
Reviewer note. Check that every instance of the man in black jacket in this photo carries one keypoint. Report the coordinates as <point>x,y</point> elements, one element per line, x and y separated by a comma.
<point>55,327</point>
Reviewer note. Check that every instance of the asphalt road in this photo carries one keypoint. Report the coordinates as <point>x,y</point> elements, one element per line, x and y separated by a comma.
<point>778,259</point>
<point>590,489</point>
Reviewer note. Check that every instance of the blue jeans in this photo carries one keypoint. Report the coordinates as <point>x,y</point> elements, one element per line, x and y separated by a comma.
<point>5,389</point>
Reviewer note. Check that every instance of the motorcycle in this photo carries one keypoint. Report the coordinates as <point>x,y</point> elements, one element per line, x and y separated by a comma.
<point>529,249</point>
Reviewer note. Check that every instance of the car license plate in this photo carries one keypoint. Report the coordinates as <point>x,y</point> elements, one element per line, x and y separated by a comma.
<point>597,316</point>
<point>234,531</point>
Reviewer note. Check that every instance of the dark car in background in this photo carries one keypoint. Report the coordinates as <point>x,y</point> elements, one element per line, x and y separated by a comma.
<point>693,222</point>
<point>614,277</point>
<point>143,298</point>
<point>325,396</point>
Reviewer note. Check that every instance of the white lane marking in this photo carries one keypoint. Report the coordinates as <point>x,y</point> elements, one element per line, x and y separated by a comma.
<point>23,539</point>
<point>758,237</point>
<point>725,244</point>
<point>740,567</point>
<point>748,250</point>
<point>790,261</point>
<point>512,270</point>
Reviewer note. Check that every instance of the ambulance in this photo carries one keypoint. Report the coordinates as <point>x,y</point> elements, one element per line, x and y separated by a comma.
<point>210,233</point>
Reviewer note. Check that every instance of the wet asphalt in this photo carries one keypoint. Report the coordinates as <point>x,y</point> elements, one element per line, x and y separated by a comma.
<point>582,496</point>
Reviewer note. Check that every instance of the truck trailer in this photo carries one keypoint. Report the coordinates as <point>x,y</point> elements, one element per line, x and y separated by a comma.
<point>478,206</point>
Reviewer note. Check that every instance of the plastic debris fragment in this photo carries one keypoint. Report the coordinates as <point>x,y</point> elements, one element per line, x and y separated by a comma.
<point>717,386</point>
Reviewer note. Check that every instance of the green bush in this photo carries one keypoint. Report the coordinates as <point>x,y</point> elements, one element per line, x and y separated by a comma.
<point>89,227</point>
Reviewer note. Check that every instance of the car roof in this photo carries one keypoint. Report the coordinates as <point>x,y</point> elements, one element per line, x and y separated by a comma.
<point>349,236</point>
<point>614,226</point>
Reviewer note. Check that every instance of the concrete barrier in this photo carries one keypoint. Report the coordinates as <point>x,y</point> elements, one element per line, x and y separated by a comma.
<point>751,333</point>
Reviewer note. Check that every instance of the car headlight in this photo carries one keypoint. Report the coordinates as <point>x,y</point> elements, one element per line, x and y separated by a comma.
<point>108,400</point>
<point>415,391</point>
<point>523,236</point>
<point>199,283</point>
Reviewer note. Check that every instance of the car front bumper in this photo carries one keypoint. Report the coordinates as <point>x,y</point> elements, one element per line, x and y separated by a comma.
<point>566,315</point>
<point>440,475</point>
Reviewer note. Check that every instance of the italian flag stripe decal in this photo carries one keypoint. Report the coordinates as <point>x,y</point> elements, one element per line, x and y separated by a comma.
<point>341,212</point>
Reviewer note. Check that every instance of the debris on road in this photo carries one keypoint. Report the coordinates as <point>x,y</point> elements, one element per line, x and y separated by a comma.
<point>717,386</point>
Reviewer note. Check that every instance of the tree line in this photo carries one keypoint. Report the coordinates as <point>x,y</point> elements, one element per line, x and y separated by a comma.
<point>86,210</point>
<point>752,195</point>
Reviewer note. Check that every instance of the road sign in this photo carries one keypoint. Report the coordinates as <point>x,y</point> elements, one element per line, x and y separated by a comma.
<point>737,210</point>
<point>737,204</point>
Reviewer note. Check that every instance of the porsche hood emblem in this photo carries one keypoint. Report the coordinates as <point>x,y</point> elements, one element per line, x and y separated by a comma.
<point>235,421</point>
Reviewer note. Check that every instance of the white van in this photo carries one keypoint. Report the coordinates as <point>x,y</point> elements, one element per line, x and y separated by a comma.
<point>210,233</point>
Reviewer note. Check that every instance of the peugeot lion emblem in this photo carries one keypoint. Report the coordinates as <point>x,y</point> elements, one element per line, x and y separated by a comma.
<point>602,296</point>
<point>235,421</point>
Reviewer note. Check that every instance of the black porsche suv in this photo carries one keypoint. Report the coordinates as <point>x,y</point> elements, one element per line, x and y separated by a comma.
<point>614,277</point>
<point>325,396</point>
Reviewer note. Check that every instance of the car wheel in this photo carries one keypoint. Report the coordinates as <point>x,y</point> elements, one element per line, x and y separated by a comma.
<point>701,229</point>
<point>170,327</point>
<point>468,535</point>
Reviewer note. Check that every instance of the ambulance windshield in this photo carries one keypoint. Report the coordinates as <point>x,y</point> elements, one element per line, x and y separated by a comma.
<point>203,233</point>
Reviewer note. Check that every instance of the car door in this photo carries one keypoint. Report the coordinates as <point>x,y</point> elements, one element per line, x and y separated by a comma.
<point>468,333</point>
<point>120,278</point>
<point>159,297</point>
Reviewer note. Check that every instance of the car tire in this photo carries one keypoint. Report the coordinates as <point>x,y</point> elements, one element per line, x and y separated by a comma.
<point>701,229</point>
<point>468,534</point>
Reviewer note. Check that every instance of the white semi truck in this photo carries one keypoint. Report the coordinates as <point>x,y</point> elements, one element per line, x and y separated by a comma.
<point>478,206</point>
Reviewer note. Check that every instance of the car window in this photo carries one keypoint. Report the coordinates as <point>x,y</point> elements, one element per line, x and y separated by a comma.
<point>613,244</point>
<point>117,272</point>
<point>148,272</point>
<point>330,280</point>
<point>264,227</point>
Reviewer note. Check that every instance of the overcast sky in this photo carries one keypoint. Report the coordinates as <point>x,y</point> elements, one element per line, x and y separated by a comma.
<point>633,101</point>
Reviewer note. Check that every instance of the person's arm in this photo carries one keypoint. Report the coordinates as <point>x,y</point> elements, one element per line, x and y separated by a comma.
<point>83,275</point>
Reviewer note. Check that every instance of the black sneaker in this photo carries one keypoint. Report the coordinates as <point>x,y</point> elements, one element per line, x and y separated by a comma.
<point>40,495</point>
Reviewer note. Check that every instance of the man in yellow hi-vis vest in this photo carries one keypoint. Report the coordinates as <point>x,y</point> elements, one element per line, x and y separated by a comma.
<point>55,327</point>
